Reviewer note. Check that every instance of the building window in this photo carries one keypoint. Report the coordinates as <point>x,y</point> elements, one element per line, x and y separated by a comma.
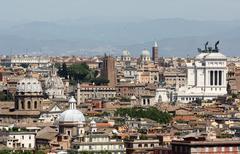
<point>29,104</point>
<point>30,137</point>
<point>220,77</point>
<point>29,145</point>
<point>22,137</point>
<point>216,77</point>
<point>69,133</point>
<point>22,103</point>
<point>35,104</point>
<point>211,78</point>
<point>139,145</point>
<point>145,145</point>
<point>65,137</point>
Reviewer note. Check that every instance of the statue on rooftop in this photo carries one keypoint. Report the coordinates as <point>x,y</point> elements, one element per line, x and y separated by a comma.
<point>206,46</point>
<point>199,50</point>
<point>209,49</point>
<point>216,46</point>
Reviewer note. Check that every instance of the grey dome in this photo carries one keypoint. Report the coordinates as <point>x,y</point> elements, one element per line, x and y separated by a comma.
<point>72,115</point>
<point>54,82</point>
<point>126,53</point>
<point>145,53</point>
<point>29,85</point>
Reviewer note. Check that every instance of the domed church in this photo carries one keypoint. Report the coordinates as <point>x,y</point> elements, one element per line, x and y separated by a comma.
<point>126,56</point>
<point>145,56</point>
<point>54,86</point>
<point>79,135</point>
<point>29,94</point>
<point>71,124</point>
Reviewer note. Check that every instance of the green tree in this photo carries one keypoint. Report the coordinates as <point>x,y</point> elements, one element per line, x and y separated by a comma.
<point>58,66</point>
<point>150,113</point>
<point>79,72</point>
<point>125,99</point>
<point>100,81</point>
<point>5,151</point>
<point>6,96</point>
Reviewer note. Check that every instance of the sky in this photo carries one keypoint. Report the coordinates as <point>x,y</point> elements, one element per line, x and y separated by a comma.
<point>54,10</point>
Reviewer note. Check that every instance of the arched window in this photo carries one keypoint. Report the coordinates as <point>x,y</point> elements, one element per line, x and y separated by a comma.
<point>35,104</point>
<point>22,103</point>
<point>29,104</point>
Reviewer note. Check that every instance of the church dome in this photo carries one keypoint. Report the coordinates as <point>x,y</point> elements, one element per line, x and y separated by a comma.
<point>126,53</point>
<point>145,53</point>
<point>29,85</point>
<point>54,82</point>
<point>72,115</point>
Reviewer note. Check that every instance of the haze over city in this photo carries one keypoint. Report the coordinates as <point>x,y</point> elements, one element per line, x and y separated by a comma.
<point>91,27</point>
<point>119,77</point>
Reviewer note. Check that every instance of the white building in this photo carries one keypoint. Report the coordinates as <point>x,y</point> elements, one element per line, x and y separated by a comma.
<point>34,61</point>
<point>130,74</point>
<point>98,142</point>
<point>206,77</point>
<point>162,95</point>
<point>21,140</point>
<point>50,114</point>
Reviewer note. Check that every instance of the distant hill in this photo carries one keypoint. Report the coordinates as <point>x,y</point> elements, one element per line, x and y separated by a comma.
<point>176,37</point>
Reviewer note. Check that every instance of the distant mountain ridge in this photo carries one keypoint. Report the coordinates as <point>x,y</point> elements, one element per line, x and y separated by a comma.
<point>176,37</point>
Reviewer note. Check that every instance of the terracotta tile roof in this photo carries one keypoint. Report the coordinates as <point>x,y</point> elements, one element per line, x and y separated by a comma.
<point>104,125</point>
<point>47,133</point>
